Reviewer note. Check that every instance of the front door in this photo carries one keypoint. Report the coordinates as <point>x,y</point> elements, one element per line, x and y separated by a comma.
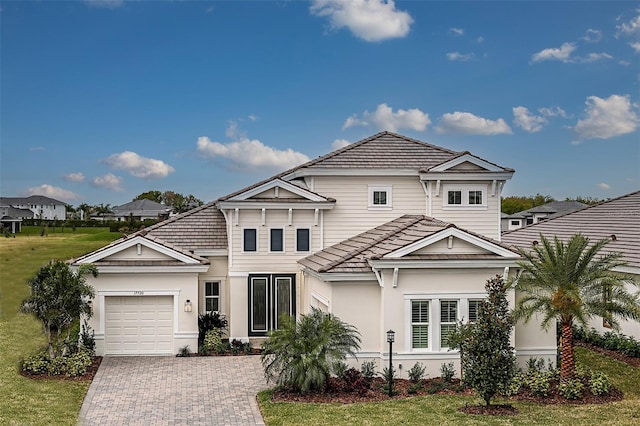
<point>270,297</point>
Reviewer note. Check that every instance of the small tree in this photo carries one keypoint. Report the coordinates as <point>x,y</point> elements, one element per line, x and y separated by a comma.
<point>58,297</point>
<point>303,354</point>
<point>486,354</point>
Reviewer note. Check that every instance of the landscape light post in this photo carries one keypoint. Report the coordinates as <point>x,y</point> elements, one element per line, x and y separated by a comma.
<point>390,338</point>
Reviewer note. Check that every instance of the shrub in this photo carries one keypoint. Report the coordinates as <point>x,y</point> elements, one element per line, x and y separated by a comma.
<point>571,389</point>
<point>368,370</point>
<point>210,321</point>
<point>70,365</point>
<point>435,387</point>
<point>302,354</point>
<point>599,384</point>
<point>388,373</point>
<point>213,341</point>
<point>238,346</point>
<point>447,372</point>
<point>339,368</point>
<point>539,383</point>
<point>87,338</point>
<point>354,381</point>
<point>535,365</point>
<point>416,372</point>
<point>414,388</point>
<point>36,364</point>
<point>184,351</point>
<point>78,363</point>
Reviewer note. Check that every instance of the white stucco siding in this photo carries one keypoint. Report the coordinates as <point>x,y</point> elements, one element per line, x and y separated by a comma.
<point>358,304</point>
<point>627,327</point>
<point>532,341</point>
<point>484,220</point>
<point>179,286</point>
<point>352,214</point>
<point>317,294</point>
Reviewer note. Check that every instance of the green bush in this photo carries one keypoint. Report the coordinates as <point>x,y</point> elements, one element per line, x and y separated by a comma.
<point>339,368</point>
<point>368,370</point>
<point>416,372</point>
<point>213,341</point>
<point>572,389</point>
<point>184,351</point>
<point>36,364</point>
<point>447,372</point>
<point>70,365</point>
<point>539,383</point>
<point>599,384</point>
<point>210,321</point>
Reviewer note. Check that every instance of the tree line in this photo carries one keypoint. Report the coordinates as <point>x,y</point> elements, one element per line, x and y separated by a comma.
<point>516,203</point>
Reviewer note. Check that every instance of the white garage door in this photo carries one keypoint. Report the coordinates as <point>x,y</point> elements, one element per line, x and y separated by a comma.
<point>139,325</point>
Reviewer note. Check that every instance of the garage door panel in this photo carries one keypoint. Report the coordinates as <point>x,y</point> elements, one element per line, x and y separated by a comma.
<point>139,325</point>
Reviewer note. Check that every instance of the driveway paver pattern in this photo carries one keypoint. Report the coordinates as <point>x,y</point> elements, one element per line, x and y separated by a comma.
<point>175,391</point>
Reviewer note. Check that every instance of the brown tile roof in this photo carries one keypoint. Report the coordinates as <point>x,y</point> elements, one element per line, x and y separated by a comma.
<point>619,216</point>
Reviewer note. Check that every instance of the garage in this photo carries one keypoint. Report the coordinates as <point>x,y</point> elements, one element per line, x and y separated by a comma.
<point>139,325</point>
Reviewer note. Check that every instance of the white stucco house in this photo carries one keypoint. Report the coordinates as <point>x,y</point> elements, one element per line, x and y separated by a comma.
<point>386,233</point>
<point>41,207</point>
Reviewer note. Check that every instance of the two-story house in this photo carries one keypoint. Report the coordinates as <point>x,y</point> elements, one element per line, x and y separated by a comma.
<point>386,233</point>
<point>41,207</point>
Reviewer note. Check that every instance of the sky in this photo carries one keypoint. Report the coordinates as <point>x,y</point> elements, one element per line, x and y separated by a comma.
<point>102,100</point>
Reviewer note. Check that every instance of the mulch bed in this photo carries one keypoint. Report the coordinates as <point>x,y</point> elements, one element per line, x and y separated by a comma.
<point>86,377</point>
<point>633,361</point>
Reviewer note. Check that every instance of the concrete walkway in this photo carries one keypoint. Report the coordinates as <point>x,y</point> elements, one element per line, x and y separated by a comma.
<point>175,391</point>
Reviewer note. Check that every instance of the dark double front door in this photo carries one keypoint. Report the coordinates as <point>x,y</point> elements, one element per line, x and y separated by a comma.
<point>270,297</point>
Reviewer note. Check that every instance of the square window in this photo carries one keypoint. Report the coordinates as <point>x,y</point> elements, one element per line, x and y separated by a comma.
<point>379,198</point>
<point>303,239</point>
<point>250,240</point>
<point>454,197</point>
<point>212,296</point>
<point>276,239</point>
<point>419,324</point>
<point>475,197</point>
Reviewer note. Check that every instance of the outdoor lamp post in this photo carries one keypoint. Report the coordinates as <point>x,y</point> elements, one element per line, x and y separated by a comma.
<point>390,338</point>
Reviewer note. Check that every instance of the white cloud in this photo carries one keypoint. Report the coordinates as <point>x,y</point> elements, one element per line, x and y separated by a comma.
<point>248,154</point>
<point>607,118</point>
<point>138,166</point>
<point>592,57</point>
<point>340,143</point>
<point>252,117</point>
<point>105,4</point>
<point>462,57</point>
<point>370,20</point>
<point>562,53</point>
<point>480,39</point>
<point>37,148</point>
<point>469,124</point>
<point>528,121</point>
<point>552,112</point>
<point>631,28</point>
<point>108,181</point>
<point>74,177</point>
<point>592,36</point>
<point>385,119</point>
<point>456,31</point>
<point>635,46</point>
<point>604,186</point>
<point>53,192</point>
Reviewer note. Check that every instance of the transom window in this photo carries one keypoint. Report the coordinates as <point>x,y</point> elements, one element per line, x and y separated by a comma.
<point>419,324</point>
<point>448,317</point>
<point>379,197</point>
<point>250,240</point>
<point>276,239</point>
<point>303,239</point>
<point>212,296</point>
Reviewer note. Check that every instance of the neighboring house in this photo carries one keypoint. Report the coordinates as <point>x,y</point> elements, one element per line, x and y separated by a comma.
<point>386,233</point>
<point>11,218</point>
<point>140,210</point>
<point>539,214</point>
<point>41,207</point>
<point>617,219</point>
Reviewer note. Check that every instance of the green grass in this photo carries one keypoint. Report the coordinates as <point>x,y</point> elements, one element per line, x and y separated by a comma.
<point>25,401</point>
<point>443,410</point>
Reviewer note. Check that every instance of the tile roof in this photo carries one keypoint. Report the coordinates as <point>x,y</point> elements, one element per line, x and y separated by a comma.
<point>554,208</point>
<point>619,216</point>
<point>32,199</point>
<point>140,206</point>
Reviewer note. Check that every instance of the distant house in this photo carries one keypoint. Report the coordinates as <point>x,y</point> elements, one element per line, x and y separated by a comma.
<point>617,219</point>
<point>11,218</point>
<point>538,214</point>
<point>140,210</point>
<point>41,207</point>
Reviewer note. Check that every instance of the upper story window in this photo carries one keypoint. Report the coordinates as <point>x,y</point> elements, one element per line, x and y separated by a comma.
<point>303,240</point>
<point>465,196</point>
<point>250,239</point>
<point>276,239</point>
<point>380,197</point>
<point>212,296</point>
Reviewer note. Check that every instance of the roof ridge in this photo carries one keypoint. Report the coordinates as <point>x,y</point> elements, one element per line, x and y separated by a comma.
<point>194,210</point>
<point>378,240</point>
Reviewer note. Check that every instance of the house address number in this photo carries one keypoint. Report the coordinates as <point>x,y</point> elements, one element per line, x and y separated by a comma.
<point>138,292</point>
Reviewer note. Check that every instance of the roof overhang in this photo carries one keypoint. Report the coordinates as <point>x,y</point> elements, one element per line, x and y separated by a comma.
<point>126,269</point>
<point>480,175</point>
<point>341,276</point>
<point>344,171</point>
<point>211,252</point>
<point>466,158</point>
<point>268,204</point>
<point>442,264</point>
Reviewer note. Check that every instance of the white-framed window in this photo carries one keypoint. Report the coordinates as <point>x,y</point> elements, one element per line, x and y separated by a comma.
<point>276,240</point>
<point>380,197</point>
<point>464,196</point>
<point>419,324</point>
<point>303,240</point>
<point>473,306</point>
<point>250,240</point>
<point>515,222</point>
<point>212,296</point>
<point>448,318</point>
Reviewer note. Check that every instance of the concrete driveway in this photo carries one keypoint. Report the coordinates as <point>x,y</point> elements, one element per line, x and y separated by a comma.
<point>175,391</point>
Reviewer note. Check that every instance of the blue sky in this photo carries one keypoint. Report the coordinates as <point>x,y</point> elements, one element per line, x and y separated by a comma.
<point>102,100</point>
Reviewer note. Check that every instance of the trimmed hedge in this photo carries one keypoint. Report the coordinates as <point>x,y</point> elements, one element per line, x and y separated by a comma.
<point>628,345</point>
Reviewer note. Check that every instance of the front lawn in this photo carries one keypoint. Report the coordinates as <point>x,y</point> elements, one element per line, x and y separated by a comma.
<point>443,409</point>
<point>27,401</point>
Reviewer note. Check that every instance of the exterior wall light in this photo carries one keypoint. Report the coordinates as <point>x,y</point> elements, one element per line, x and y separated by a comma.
<point>390,338</point>
<point>187,306</point>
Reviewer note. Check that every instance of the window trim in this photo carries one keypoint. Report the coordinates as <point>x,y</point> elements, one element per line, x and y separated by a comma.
<point>464,195</point>
<point>423,323</point>
<point>284,249</point>
<point>380,188</point>
<point>257,240</point>
<point>216,297</point>
<point>308,229</point>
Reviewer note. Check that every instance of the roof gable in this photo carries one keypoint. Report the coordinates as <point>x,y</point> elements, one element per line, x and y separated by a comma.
<point>276,188</point>
<point>468,162</point>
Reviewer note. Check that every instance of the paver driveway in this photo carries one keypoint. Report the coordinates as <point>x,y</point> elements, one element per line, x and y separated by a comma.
<point>175,391</point>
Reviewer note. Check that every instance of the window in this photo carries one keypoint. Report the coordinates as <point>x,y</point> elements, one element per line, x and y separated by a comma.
<point>475,197</point>
<point>270,297</point>
<point>419,324</point>
<point>454,197</point>
<point>303,239</point>
<point>515,222</point>
<point>379,197</point>
<point>212,296</point>
<point>448,317</point>
<point>276,239</point>
<point>250,240</point>
<point>474,305</point>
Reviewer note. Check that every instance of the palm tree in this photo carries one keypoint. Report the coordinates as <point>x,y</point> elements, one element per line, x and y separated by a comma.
<point>571,283</point>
